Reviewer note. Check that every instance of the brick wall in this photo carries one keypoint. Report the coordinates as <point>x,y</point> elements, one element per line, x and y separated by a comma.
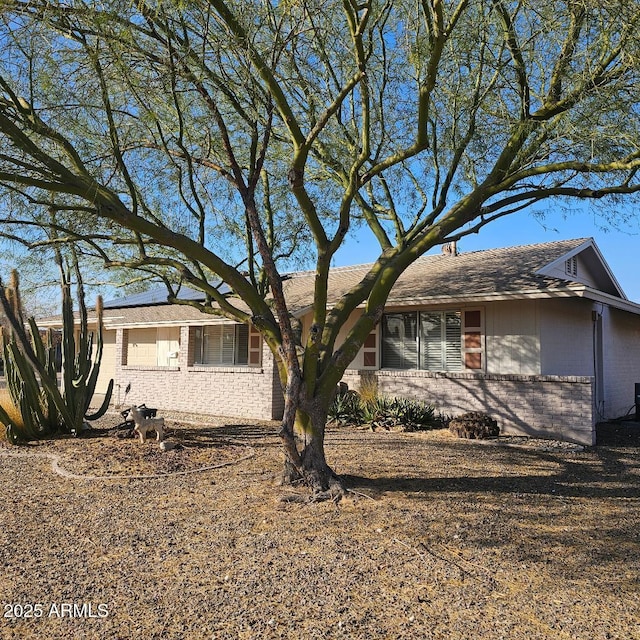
<point>538,406</point>
<point>241,391</point>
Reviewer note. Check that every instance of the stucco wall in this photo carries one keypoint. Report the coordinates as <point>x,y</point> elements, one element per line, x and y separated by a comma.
<point>108,364</point>
<point>512,337</point>
<point>566,337</point>
<point>141,345</point>
<point>621,361</point>
<point>543,406</point>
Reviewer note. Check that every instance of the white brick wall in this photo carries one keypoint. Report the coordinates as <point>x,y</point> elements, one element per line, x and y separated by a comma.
<point>540,406</point>
<point>242,391</point>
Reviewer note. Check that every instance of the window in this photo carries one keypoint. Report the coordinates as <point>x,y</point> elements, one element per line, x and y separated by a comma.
<point>440,341</point>
<point>226,345</point>
<point>432,340</point>
<point>399,340</point>
<point>152,346</point>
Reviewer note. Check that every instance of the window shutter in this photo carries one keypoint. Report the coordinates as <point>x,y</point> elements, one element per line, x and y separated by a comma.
<point>228,340</point>
<point>196,338</point>
<point>473,346</point>
<point>255,347</point>
<point>453,341</point>
<point>211,350</point>
<point>432,343</point>
<point>225,344</point>
<point>370,350</point>
<point>440,341</point>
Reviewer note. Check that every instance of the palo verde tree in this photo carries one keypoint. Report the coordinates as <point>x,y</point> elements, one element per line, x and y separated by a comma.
<point>206,142</point>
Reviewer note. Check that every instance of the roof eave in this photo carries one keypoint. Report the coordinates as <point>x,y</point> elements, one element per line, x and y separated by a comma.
<point>590,243</point>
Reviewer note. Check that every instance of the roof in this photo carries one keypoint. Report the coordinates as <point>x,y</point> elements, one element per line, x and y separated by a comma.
<point>152,297</point>
<point>445,277</point>
<point>527,271</point>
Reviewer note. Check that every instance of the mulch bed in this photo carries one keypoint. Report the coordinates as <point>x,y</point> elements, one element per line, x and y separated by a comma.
<point>439,538</point>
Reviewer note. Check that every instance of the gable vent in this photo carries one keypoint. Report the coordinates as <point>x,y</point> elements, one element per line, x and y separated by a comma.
<point>571,266</point>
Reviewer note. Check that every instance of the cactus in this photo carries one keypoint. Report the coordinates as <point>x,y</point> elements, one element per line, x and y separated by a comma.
<point>81,368</point>
<point>40,417</point>
<point>30,366</point>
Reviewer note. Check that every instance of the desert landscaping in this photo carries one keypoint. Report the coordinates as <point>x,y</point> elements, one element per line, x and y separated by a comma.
<point>439,537</point>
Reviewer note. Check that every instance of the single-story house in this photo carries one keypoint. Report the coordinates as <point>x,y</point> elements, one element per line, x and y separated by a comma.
<point>541,337</point>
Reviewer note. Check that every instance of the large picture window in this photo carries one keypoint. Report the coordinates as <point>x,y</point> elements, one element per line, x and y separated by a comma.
<point>432,340</point>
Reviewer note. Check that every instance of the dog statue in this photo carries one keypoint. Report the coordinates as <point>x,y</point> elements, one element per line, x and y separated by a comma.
<point>144,425</point>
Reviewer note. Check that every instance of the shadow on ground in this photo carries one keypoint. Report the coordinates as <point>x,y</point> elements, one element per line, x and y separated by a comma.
<point>625,433</point>
<point>609,470</point>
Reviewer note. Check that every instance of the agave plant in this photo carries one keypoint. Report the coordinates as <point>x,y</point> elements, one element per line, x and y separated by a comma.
<point>346,409</point>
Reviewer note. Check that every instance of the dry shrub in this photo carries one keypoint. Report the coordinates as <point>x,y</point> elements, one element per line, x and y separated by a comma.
<point>368,390</point>
<point>474,425</point>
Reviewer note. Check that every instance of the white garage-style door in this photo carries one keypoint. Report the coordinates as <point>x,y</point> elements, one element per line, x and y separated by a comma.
<point>108,364</point>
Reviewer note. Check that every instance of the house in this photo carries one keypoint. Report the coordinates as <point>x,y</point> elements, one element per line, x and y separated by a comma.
<point>541,336</point>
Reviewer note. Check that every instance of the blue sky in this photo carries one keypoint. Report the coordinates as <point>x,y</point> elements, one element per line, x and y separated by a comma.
<point>620,249</point>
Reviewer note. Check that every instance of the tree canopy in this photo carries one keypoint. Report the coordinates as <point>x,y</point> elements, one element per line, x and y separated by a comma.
<point>217,142</point>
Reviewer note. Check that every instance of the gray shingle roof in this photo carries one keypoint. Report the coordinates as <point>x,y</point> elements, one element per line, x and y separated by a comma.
<point>510,271</point>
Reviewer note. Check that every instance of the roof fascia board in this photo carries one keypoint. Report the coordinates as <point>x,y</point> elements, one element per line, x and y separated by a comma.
<point>612,301</point>
<point>121,323</point>
<point>564,292</point>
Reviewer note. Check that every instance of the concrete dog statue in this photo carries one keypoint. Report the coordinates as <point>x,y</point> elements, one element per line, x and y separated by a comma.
<point>144,425</point>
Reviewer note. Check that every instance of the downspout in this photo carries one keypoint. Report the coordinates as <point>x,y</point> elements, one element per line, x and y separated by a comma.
<point>598,364</point>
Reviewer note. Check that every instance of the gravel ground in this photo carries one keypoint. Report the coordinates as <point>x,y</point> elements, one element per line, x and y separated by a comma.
<point>440,538</point>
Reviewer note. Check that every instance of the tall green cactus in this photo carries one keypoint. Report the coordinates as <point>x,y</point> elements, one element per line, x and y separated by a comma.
<point>40,418</point>
<point>30,365</point>
<point>81,366</point>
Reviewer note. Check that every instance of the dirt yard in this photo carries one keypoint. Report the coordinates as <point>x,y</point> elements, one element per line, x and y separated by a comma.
<point>440,538</point>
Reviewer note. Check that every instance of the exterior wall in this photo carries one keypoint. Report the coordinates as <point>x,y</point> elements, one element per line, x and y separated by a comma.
<point>566,337</point>
<point>621,368</point>
<point>167,346</point>
<point>512,337</point>
<point>240,391</point>
<point>539,406</point>
<point>358,362</point>
<point>540,378</point>
<point>141,347</point>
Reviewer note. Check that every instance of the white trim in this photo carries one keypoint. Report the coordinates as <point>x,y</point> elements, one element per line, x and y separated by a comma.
<point>559,263</point>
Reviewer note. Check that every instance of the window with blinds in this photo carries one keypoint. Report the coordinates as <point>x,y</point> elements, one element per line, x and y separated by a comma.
<point>222,344</point>
<point>428,340</point>
<point>440,341</point>
<point>399,340</point>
